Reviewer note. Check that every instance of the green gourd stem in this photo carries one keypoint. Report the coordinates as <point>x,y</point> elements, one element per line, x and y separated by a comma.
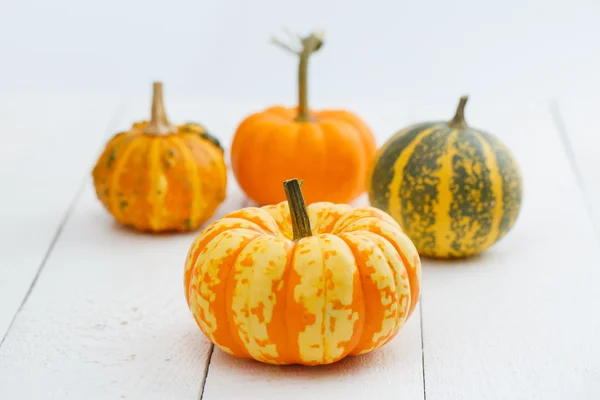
<point>459,118</point>
<point>298,211</point>
<point>159,123</point>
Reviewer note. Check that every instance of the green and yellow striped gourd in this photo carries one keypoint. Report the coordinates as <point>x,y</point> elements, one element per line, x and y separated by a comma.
<point>454,190</point>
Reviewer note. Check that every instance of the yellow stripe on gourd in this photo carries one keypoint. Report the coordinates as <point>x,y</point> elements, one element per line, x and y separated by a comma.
<point>188,160</point>
<point>444,236</point>
<point>201,297</point>
<point>261,264</point>
<point>158,182</point>
<point>497,189</point>
<point>395,201</point>
<point>326,268</point>
<point>309,292</point>
<point>339,318</point>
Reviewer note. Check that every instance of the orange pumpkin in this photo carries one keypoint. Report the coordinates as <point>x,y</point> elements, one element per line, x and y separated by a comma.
<point>159,177</point>
<point>290,284</point>
<point>331,150</point>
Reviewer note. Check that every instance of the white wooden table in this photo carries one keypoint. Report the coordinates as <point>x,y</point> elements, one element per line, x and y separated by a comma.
<point>89,310</point>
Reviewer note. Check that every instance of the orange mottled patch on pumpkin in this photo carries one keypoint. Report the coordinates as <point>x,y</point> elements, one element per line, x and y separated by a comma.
<point>247,262</point>
<point>277,328</point>
<point>258,311</point>
<point>297,317</point>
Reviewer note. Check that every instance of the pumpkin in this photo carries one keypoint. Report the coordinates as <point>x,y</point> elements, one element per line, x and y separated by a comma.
<point>290,284</point>
<point>329,149</point>
<point>454,190</point>
<point>159,177</point>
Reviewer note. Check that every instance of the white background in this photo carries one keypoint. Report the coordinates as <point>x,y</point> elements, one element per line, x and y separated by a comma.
<point>375,50</point>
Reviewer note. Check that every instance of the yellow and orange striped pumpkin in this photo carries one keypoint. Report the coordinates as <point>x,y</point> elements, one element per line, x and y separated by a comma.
<point>159,177</point>
<point>290,284</point>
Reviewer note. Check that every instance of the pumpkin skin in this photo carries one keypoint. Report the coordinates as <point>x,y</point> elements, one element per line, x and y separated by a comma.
<point>331,150</point>
<point>332,153</point>
<point>346,290</point>
<point>161,182</point>
<point>453,189</point>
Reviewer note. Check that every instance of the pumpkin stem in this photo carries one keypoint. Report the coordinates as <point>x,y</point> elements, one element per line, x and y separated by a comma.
<point>298,211</point>
<point>159,124</point>
<point>310,44</point>
<point>459,118</point>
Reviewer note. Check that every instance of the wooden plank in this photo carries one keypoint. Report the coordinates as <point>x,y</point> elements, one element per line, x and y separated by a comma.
<point>107,318</point>
<point>47,145</point>
<point>518,322</point>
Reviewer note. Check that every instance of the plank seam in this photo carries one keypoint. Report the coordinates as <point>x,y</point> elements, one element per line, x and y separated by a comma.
<point>45,258</point>
<point>212,350</point>
<point>570,153</point>
<point>70,209</point>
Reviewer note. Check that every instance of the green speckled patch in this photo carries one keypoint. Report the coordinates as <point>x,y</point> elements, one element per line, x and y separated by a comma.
<point>202,132</point>
<point>383,171</point>
<point>212,139</point>
<point>111,157</point>
<point>512,184</point>
<point>420,186</point>
<point>472,206</point>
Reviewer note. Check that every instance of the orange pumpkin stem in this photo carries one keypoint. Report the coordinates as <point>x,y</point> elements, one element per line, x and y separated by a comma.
<point>298,211</point>
<point>459,118</point>
<point>310,44</point>
<point>159,124</point>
